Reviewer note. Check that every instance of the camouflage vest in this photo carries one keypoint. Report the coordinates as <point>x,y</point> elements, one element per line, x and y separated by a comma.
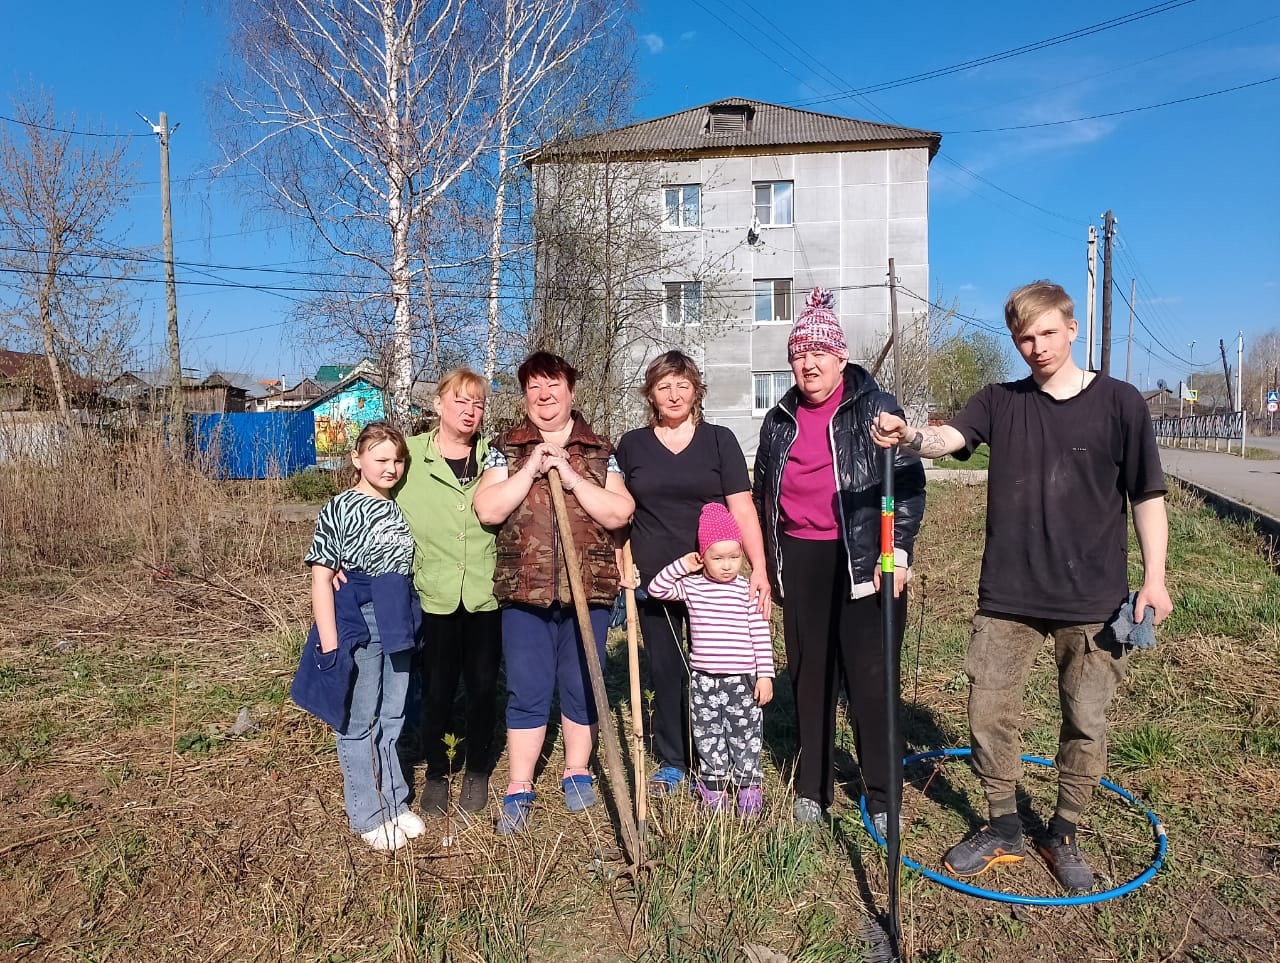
<point>531,566</point>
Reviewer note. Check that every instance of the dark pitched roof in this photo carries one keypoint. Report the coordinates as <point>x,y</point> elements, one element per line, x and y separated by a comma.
<point>21,364</point>
<point>247,383</point>
<point>737,125</point>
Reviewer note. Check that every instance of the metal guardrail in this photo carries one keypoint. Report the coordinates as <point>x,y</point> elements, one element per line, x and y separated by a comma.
<point>1197,431</point>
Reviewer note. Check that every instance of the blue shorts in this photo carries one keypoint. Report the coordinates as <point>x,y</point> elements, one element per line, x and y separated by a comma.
<point>543,651</point>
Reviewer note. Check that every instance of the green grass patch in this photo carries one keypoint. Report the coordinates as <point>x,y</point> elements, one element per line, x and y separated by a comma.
<point>1260,454</point>
<point>979,460</point>
<point>239,843</point>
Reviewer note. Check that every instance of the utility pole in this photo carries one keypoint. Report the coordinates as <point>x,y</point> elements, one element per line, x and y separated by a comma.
<point>1226,371</point>
<point>1091,297</point>
<point>893,320</point>
<point>1191,364</point>
<point>1128,351</point>
<point>1108,232</point>
<point>1239,370</point>
<point>177,421</point>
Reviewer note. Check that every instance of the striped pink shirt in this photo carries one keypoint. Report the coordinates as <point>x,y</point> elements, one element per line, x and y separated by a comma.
<point>727,636</point>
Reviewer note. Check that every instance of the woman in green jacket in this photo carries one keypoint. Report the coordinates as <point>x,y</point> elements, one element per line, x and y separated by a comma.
<point>453,572</point>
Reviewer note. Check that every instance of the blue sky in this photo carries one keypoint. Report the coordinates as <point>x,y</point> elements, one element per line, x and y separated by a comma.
<point>1193,184</point>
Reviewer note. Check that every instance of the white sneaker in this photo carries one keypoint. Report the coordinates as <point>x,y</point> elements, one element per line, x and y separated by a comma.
<point>411,824</point>
<point>386,837</point>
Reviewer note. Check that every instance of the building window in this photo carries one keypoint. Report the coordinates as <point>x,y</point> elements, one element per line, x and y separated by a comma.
<point>773,202</point>
<point>682,303</point>
<point>769,387</point>
<point>773,300</point>
<point>683,204</point>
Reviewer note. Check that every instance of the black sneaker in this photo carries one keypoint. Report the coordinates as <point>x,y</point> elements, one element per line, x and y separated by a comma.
<point>1062,853</point>
<point>984,849</point>
<point>435,796</point>
<point>475,792</point>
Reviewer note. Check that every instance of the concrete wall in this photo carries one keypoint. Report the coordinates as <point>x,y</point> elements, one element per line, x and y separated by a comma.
<point>852,211</point>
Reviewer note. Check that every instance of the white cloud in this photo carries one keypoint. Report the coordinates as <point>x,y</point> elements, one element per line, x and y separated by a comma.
<point>653,42</point>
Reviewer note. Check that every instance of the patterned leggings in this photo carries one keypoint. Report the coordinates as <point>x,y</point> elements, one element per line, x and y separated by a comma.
<point>728,729</point>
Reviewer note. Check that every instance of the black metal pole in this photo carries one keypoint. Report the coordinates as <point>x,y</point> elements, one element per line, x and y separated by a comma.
<point>893,834</point>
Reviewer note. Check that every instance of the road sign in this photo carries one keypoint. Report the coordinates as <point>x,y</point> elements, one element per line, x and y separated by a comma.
<point>1273,397</point>
<point>1272,406</point>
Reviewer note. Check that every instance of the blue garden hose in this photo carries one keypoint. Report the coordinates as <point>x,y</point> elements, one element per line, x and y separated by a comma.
<point>1084,899</point>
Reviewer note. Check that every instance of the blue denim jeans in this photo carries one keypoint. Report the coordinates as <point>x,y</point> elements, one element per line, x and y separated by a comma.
<point>373,785</point>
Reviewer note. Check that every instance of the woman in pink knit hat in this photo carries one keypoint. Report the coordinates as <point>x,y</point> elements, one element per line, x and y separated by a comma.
<point>817,489</point>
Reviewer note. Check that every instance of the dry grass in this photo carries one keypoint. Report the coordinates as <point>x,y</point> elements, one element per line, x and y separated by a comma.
<point>148,604</point>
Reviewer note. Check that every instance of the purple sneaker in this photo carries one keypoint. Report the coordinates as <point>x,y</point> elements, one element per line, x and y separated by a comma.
<point>713,800</point>
<point>750,802</point>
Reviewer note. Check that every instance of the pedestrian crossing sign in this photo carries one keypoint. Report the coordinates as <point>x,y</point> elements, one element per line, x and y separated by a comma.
<point>1273,397</point>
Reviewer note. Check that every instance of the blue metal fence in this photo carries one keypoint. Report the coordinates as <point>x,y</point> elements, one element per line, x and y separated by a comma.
<point>268,444</point>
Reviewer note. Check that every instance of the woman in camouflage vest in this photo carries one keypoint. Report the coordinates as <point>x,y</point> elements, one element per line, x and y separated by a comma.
<point>541,640</point>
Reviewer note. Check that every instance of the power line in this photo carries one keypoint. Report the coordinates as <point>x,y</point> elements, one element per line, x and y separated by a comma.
<point>1172,355</point>
<point>830,76</point>
<point>1095,75</point>
<point>60,130</point>
<point>1004,54</point>
<point>478,292</point>
<point>1118,113</point>
<point>985,325</point>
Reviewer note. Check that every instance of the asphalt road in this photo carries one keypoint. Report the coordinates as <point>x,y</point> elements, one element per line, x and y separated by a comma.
<point>1250,482</point>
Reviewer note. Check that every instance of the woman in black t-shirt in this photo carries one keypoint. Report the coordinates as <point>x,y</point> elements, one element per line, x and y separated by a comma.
<point>672,468</point>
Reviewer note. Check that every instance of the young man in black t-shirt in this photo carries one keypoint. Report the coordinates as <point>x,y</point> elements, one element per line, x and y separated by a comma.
<point>1070,451</point>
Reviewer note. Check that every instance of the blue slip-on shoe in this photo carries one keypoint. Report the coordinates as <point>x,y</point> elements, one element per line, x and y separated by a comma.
<point>579,793</point>
<point>516,807</point>
<point>666,781</point>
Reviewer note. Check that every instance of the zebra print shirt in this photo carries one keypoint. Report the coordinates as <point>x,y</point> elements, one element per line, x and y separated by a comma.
<point>364,533</point>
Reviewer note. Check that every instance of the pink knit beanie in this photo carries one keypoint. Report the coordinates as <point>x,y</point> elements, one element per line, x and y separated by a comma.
<point>817,328</point>
<point>715,524</point>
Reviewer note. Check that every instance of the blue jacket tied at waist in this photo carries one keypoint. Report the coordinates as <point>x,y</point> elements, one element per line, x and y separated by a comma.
<point>322,685</point>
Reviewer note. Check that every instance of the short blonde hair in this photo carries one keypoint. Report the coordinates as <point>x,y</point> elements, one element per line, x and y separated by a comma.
<point>462,381</point>
<point>682,366</point>
<point>1028,302</point>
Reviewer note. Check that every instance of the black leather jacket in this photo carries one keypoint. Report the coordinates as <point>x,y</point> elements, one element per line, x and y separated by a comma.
<point>858,471</point>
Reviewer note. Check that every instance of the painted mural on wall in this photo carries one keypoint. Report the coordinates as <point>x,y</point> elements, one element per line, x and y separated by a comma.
<point>340,419</point>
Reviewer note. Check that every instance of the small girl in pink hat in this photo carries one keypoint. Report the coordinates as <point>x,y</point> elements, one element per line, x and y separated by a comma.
<point>730,661</point>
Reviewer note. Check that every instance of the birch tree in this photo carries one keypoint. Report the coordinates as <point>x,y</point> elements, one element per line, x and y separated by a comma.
<point>1261,370</point>
<point>604,296</point>
<point>361,115</point>
<point>62,191</point>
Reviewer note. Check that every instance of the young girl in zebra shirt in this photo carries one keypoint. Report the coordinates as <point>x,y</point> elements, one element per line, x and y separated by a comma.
<point>362,644</point>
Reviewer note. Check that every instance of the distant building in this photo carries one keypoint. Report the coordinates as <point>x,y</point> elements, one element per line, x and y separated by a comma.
<point>1162,403</point>
<point>255,393</point>
<point>777,201</point>
<point>343,411</point>
<point>26,383</point>
<point>300,395</point>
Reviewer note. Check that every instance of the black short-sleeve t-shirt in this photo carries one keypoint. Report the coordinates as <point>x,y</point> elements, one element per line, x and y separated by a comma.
<point>1062,475</point>
<point>670,489</point>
